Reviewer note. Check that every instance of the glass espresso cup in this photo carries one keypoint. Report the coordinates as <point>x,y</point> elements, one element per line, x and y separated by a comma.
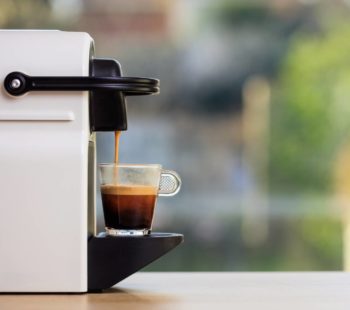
<point>129,195</point>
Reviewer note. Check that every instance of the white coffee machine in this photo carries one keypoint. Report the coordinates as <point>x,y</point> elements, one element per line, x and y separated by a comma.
<point>54,96</point>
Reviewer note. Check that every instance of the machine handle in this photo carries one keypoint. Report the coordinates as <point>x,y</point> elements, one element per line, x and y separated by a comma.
<point>18,83</point>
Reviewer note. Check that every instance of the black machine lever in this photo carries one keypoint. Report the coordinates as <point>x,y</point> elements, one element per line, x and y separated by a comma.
<point>18,83</point>
<point>105,83</point>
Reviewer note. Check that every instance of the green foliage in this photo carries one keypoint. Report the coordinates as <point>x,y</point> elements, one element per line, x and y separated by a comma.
<point>322,237</point>
<point>299,243</point>
<point>241,12</point>
<point>310,117</point>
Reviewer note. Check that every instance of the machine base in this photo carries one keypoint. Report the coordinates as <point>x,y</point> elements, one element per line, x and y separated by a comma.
<point>112,259</point>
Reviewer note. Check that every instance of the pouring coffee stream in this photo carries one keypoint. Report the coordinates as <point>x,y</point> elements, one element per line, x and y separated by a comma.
<point>116,146</point>
<point>116,155</point>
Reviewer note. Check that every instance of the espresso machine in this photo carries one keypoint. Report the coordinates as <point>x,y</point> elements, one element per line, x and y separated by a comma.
<point>55,95</point>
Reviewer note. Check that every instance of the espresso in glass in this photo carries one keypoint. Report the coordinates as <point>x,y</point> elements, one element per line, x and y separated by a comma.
<point>128,207</point>
<point>129,194</point>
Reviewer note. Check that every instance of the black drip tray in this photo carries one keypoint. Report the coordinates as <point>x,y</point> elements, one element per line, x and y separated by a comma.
<point>112,259</point>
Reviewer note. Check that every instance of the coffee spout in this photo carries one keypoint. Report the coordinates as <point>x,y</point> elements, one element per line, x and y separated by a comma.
<point>108,106</point>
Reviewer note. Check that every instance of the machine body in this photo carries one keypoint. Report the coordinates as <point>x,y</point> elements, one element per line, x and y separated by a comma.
<point>44,141</point>
<point>48,238</point>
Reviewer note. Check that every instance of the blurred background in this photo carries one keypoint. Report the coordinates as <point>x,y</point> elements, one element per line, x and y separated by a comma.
<point>254,114</point>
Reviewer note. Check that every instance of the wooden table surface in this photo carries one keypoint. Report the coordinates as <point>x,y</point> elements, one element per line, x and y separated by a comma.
<point>297,291</point>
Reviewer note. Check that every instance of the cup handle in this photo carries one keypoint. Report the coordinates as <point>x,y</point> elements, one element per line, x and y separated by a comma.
<point>169,184</point>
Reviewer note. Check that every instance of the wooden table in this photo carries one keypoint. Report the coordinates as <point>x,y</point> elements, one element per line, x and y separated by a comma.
<point>297,291</point>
